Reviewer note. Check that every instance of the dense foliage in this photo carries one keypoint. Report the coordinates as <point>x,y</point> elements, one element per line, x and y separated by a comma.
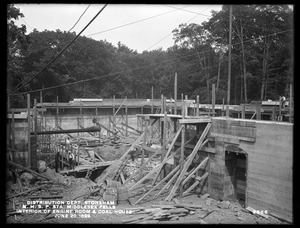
<point>262,60</point>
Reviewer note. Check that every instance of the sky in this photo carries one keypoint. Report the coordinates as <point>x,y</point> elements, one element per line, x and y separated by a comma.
<point>141,27</point>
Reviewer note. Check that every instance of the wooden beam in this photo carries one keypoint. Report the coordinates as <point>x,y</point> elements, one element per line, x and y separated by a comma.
<point>158,185</point>
<point>28,170</point>
<point>243,111</point>
<point>182,153</point>
<point>195,170</point>
<point>168,152</point>
<point>189,161</point>
<point>28,130</point>
<point>147,161</point>
<point>151,172</point>
<point>90,129</point>
<point>168,184</point>
<point>197,107</point>
<point>175,94</point>
<point>195,184</point>
<point>195,120</point>
<point>213,99</point>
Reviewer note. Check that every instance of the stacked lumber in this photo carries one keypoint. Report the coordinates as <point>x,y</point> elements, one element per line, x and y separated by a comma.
<point>162,213</point>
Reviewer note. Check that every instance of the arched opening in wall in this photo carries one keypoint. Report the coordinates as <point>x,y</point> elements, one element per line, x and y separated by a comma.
<point>235,179</point>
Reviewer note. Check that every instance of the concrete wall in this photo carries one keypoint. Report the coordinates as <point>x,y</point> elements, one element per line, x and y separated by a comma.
<point>269,149</point>
<point>270,168</point>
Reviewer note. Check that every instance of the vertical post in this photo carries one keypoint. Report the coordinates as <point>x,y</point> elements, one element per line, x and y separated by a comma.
<point>227,111</point>
<point>35,119</point>
<point>279,117</point>
<point>182,150</point>
<point>144,144</point>
<point>162,103</point>
<point>56,120</point>
<point>182,104</point>
<point>273,113</point>
<point>126,120</point>
<point>29,128</point>
<point>113,117</point>
<point>243,111</point>
<point>8,103</point>
<point>258,113</point>
<point>164,140</point>
<point>223,107</point>
<point>96,112</point>
<point>197,108</point>
<point>175,94</point>
<point>13,128</point>
<point>81,120</point>
<point>229,56</point>
<point>213,99</point>
<point>291,104</point>
<point>152,100</point>
<point>186,111</point>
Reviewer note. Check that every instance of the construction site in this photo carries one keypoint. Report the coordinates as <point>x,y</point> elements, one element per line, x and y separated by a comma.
<point>160,161</point>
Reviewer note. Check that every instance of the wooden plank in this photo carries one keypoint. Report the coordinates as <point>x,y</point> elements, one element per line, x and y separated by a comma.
<point>168,184</point>
<point>195,121</point>
<point>29,170</point>
<point>27,191</point>
<point>151,172</point>
<point>168,152</point>
<point>189,161</point>
<point>137,171</point>
<point>196,169</point>
<point>158,185</point>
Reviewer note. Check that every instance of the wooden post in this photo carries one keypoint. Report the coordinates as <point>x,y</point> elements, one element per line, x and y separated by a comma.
<point>186,111</point>
<point>279,117</point>
<point>126,119</point>
<point>13,128</point>
<point>144,144</point>
<point>182,154</point>
<point>197,108</point>
<point>175,94</point>
<point>162,103</point>
<point>81,120</point>
<point>227,111</point>
<point>213,99</point>
<point>273,113</point>
<point>113,119</point>
<point>29,129</point>
<point>164,134</point>
<point>96,112</point>
<point>182,105</point>
<point>223,107</point>
<point>35,118</point>
<point>56,120</point>
<point>258,112</point>
<point>152,100</point>
<point>243,111</point>
<point>291,104</point>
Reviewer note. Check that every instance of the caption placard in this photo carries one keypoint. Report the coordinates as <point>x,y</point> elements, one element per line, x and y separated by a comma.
<point>71,209</point>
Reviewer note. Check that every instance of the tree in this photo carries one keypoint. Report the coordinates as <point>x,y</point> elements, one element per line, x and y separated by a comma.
<point>17,43</point>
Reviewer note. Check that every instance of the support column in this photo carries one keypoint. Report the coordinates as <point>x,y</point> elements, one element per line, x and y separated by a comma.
<point>126,120</point>
<point>13,129</point>
<point>197,108</point>
<point>164,138</point>
<point>28,130</point>
<point>213,99</point>
<point>152,100</point>
<point>243,111</point>
<point>175,94</point>
<point>56,119</point>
